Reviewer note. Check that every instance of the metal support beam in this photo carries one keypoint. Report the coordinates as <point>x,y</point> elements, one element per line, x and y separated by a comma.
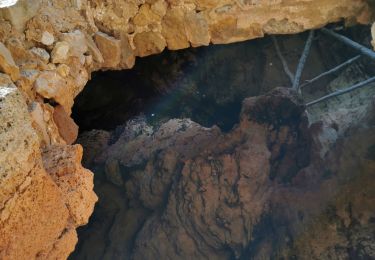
<point>342,91</point>
<point>365,51</point>
<point>302,61</point>
<point>333,70</point>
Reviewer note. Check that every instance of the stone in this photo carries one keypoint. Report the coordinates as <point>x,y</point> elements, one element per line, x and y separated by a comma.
<point>148,43</point>
<point>27,79</point>
<point>113,173</point>
<point>20,13</point>
<point>146,16</point>
<point>63,70</point>
<point>174,29</point>
<point>93,49</point>
<point>60,52</point>
<point>63,163</point>
<point>127,53</point>
<point>68,129</point>
<point>110,48</point>
<point>37,115</point>
<point>27,193</point>
<point>51,85</point>
<point>196,28</point>
<point>77,43</point>
<point>40,53</point>
<point>47,38</point>
<point>7,63</point>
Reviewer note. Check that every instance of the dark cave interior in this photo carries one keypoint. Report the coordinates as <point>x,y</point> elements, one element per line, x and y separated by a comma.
<point>206,84</point>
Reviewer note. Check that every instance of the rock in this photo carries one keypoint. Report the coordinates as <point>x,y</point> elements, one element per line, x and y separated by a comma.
<point>63,70</point>
<point>112,172</point>
<point>93,142</point>
<point>51,85</point>
<point>174,29</point>
<point>196,28</point>
<point>47,38</point>
<point>146,16</point>
<point>37,115</point>
<point>63,163</point>
<point>127,53</point>
<point>60,52</point>
<point>20,13</point>
<point>77,43</point>
<point>93,49</point>
<point>67,128</point>
<point>27,193</point>
<point>27,79</point>
<point>40,53</point>
<point>148,43</point>
<point>110,48</point>
<point>7,63</point>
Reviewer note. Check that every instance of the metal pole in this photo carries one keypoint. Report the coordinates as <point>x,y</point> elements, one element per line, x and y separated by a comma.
<point>342,91</point>
<point>366,51</point>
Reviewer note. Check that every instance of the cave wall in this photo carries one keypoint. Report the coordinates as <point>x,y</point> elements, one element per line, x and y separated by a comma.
<point>48,50</point>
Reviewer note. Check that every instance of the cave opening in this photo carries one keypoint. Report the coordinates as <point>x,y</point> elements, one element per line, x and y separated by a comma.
<point>207,85</point>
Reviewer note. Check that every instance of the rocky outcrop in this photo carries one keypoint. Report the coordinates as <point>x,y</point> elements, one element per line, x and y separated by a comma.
<point>50,47</point>
<point>263,190</point>
<point>44,195</point>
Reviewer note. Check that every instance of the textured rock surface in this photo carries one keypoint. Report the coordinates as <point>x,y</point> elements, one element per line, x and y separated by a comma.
<point>39,209</point>
<point>261,191</point>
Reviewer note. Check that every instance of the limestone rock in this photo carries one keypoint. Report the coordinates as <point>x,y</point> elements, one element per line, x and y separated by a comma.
<point>20,13</point>
<point>110,48</point>
<point>67,128</point>
<point>77,43</point>
<point>127,53</point>
<point>37,115</point>
<point>26,80</point>
<point>93,49</point>
<point>51,85</point>
<point>60,52</point>
<point>196,27</point>
<point>63,163</point>
<point>29,199</point>
<point>7,63</point>
<point>63,70</point>
<point>47,38</point>
<point>40,53</point>
<point>148,43</point>
<point>173,31</point>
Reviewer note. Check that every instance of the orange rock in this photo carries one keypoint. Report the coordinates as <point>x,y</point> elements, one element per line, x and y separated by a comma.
<point>66,125</point>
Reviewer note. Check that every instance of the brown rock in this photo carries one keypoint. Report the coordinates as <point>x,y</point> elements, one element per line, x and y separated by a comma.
<point>7,63</point>
<point>127,57</point>
<point>196,28</point>
<point>110,48</point>
<point>60,52</point>
<point>173,31</point>
<point>68,129</point>
<point>63,163</point>
<point>148,43</point>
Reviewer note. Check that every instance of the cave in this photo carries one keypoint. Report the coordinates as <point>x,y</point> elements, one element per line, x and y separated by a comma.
<point>188,101</point>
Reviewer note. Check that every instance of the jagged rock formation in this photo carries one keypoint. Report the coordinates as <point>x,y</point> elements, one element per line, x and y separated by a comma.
<point>49,48</point>
<point>264,190</point>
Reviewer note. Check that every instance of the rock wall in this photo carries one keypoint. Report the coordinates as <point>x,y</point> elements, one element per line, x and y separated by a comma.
<point>48,50</point>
